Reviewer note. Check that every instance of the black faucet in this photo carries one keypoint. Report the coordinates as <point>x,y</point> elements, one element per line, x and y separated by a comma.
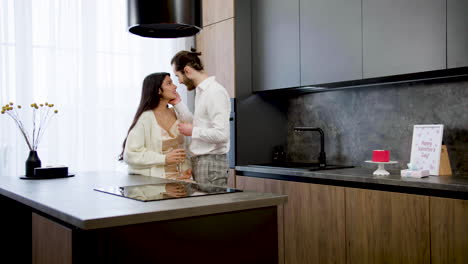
<point>322,157</point>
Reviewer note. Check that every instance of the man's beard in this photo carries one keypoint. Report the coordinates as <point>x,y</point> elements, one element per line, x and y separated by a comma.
<point>189,83</point>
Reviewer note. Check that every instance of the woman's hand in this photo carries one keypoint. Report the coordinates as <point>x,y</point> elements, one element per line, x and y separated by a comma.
<point>185,175</point>
<point>175,156</point>
<point>175,190</point>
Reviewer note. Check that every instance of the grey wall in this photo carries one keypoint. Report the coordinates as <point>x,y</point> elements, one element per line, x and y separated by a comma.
<point>359,120</point>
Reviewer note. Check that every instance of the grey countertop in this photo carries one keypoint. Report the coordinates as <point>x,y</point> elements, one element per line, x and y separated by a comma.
<point>73,200</point>
<point>362,176</point>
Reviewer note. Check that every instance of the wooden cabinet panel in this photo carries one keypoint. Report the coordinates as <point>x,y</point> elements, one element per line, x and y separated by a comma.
<point>449,230</point>
<point>457,33</point>
<point>329,224</point>
<point>275,44</point>
<point>51,242</point>
<point>314,228</point>
<point>216,42</point>
<point>231,183</point>
<point>401,36</point>
<point>215,11</point>
<point>384,227</point>
<point>314,223</point>
<point>331,41</point>
<point>259,184</point>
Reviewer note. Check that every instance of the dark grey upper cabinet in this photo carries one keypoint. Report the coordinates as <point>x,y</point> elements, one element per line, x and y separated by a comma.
<point>275,44</point>
<point>457,33</point>
<point>331,41</point>
<point>402,36</point>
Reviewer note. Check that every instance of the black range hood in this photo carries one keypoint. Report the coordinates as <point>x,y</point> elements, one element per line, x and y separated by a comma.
<point>164,18</point>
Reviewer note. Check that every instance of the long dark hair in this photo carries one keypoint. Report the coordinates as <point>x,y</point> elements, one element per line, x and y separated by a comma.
<point>150,99</point>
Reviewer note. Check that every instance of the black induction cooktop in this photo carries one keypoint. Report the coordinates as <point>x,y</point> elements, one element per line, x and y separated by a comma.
<point>165,191</point>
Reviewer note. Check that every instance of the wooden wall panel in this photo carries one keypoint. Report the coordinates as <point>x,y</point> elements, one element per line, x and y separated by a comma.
<point>449,230</point>
<point>385,227</point>
<point>217,10</point>
<point>216,42</point>
<point>51,242</point>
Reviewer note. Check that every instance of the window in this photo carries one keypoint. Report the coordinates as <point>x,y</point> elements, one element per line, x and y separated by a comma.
<point>79,55</point>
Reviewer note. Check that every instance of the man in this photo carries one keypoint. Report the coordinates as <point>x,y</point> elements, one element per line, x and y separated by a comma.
<point>209,125</point>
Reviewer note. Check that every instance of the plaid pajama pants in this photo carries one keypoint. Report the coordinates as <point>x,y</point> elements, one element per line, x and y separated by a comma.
<point>210,169</point>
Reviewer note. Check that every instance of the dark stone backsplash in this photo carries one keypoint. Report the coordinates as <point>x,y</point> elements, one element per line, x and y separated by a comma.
<point>359,120</point>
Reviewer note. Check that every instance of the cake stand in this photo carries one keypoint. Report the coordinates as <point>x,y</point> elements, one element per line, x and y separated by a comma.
<point>381,169</point>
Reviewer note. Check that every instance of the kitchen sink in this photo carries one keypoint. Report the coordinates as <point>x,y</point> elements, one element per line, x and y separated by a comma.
<point>301,166</point>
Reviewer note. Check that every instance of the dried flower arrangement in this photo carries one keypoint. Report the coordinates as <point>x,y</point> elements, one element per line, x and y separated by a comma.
<point>41,116</point>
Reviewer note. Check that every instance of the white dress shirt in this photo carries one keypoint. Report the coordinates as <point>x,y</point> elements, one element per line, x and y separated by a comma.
<point>210,134</point>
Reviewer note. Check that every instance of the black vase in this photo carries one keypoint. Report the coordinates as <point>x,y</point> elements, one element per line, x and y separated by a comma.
<point>32,162</point>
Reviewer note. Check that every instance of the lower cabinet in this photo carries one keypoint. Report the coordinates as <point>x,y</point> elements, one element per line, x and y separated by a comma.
<point>314,223</point>
<point>267,186</point>
<point>387,227</point>
<point>311,227</point>
<point>330,224</point>
<point>449,230</point>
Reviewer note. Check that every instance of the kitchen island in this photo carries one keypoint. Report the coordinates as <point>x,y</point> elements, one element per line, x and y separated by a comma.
<point>66,221</point>
<point>351,216</point>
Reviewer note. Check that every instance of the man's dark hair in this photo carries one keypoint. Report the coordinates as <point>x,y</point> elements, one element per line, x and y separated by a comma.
<point>187,58</point>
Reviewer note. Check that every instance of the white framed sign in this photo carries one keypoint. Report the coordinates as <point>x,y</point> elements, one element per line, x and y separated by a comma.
<point>426,146</point>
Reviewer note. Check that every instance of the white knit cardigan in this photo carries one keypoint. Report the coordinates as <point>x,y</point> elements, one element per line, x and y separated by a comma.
<point>143,149</point>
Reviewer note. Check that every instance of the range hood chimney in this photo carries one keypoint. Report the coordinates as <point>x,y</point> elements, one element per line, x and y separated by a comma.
<point>164,18</point>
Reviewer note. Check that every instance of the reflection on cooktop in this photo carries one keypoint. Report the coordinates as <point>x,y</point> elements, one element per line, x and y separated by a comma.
<point>164,191</point>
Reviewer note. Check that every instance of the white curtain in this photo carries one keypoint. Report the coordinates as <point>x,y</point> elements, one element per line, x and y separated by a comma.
<point>79,55</point>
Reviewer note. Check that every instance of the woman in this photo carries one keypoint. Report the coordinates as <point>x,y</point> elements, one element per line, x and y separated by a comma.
<point>153,146</point>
